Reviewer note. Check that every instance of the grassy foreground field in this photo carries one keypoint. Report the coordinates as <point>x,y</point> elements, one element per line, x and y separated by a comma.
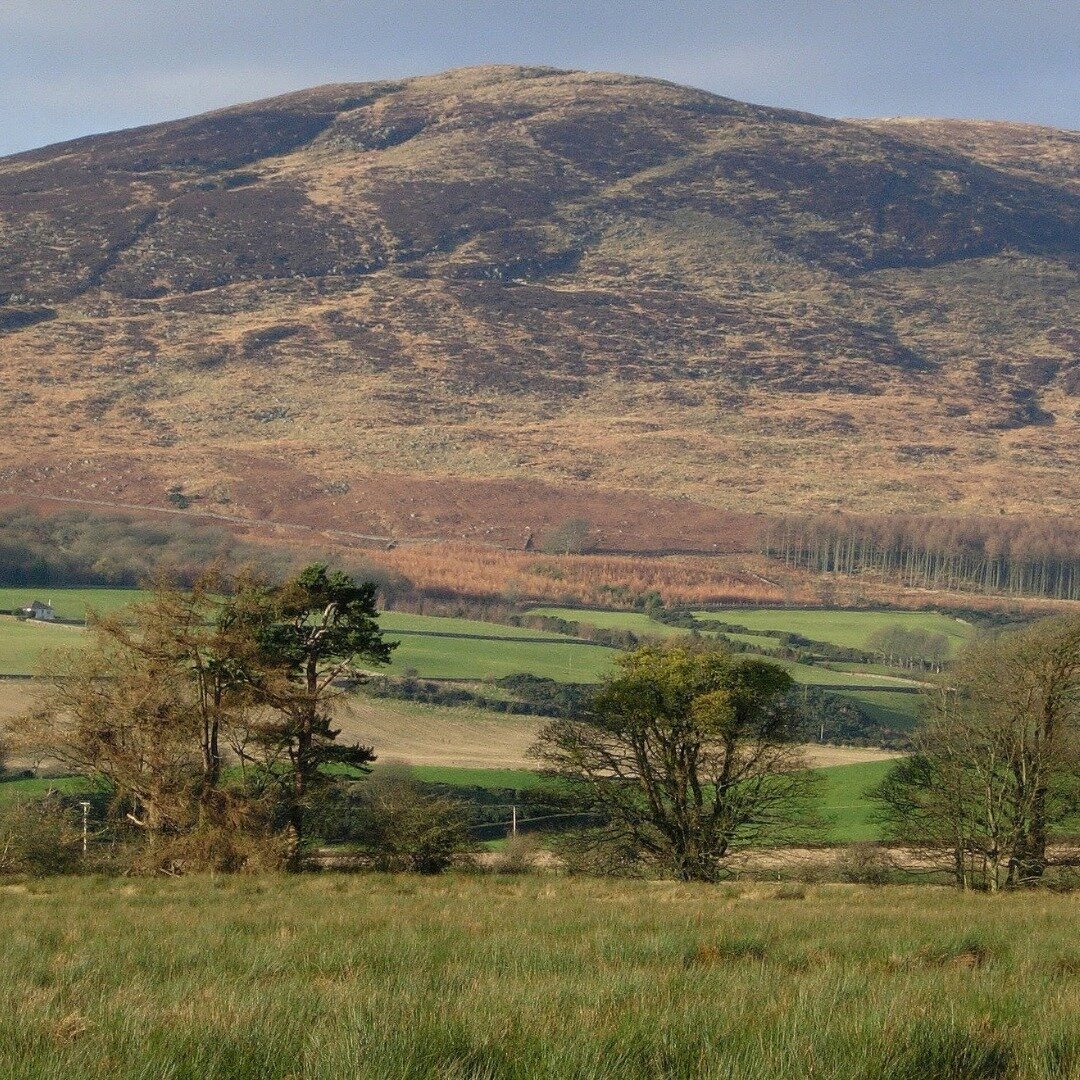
<point>494,978</point>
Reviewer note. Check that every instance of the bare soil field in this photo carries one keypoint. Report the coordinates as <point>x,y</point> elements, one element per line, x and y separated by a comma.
<point>15,696</point>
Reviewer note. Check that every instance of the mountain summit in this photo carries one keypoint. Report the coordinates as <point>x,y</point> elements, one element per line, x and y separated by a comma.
<point>410,306</point>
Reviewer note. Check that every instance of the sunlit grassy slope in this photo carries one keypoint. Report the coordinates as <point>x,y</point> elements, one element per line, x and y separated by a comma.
<point>70,603</point>
<point>851,629</point>
<point>463,658</point>
<point>22,643</point>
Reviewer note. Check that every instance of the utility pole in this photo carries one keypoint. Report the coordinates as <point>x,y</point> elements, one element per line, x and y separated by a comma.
<point>513,819</point>
<point>85,825</point>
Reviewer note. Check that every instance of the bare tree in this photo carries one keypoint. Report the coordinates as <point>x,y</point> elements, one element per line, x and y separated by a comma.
<point>195,634</point>
<point>571,537</point>
<point>146,705</point>
<point>115,715</point>
<point>998,758</point>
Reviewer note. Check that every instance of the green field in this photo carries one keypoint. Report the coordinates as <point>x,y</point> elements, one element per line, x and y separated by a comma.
<point>813,675</point>
<point>891,710</point>
<point>16,790</point>
<point>22,643</point>
<point>468,657</point>
<point>806,674</point>
<point>843,800</point>
<point>521,779</point>
<point>380,977</point>
<point>70,603</point>
<point>849,629</point>
<point>462,658</point>
<point>611,620</point>
<point>438,624</point>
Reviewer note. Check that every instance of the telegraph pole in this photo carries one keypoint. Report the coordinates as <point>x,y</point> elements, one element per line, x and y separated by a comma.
<point>85,825</point>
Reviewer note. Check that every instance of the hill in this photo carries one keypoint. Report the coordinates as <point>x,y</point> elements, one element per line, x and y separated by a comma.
<point>474,304</point>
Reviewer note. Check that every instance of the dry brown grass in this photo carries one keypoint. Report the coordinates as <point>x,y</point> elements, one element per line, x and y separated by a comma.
<point>431,735</point>
<point>586,579</point>
<point>746,322</point>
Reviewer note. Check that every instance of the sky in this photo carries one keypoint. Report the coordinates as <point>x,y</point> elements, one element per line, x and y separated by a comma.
<point>73,67</point>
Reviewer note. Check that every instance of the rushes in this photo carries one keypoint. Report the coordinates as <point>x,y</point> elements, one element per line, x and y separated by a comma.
<point>377,976</point>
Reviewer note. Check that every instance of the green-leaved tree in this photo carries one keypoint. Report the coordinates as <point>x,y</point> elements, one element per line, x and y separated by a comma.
<point>685,756</point>
<point>313,633</point>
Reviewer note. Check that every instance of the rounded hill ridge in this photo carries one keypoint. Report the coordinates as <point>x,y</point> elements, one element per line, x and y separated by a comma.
<point>586,282</point>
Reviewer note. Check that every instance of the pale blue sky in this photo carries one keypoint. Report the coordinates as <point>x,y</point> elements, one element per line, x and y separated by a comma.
<point>71,67</point>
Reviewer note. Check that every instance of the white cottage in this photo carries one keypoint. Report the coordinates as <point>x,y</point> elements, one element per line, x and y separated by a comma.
<point>38,610</point>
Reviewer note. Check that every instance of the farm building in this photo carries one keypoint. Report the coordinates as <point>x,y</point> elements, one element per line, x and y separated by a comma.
<point>38,610</point>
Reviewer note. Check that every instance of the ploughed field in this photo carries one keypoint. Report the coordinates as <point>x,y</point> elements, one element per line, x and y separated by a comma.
<point>384,977</point>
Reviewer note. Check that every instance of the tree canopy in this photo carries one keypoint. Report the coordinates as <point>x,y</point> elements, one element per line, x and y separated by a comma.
<point>684,756</point>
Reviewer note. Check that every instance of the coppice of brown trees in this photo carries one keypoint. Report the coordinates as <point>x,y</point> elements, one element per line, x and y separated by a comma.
<point>167,691</point>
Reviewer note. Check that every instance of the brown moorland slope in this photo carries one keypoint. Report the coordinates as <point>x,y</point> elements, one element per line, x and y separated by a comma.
<point>477,303</point>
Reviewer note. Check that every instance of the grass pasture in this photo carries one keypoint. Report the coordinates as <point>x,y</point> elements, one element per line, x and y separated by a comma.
<point>71,603</point>
<point>404,621</point>
<point>827,678</point>
<point>531,978</point>
<point>14,791</point>
<point>467,658</point>
<point>844,802</point>
<point>635,621</point>
<point>843,795</point>
<point>848,629</point>
<point>890,709</point>
<point>22,643</point>
<point>449,648</point>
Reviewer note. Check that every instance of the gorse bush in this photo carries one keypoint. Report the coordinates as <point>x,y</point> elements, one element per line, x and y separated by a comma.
<point>39,837</point>
<point>864,864</point>
<point>402,825</point>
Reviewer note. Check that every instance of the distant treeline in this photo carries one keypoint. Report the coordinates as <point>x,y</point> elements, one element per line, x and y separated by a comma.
<point>990,555</point>
<point>77,547</point>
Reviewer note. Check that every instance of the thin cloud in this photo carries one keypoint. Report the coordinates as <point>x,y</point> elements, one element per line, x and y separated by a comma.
<point>71,67</point>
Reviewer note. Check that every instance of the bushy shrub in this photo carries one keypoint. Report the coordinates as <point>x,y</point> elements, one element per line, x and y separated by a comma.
<point>402,826</point>
<point>217,849</point>
<point>587,852</point>
<point>521,855</point>
<point>39,837</point>
<point>864,864</point>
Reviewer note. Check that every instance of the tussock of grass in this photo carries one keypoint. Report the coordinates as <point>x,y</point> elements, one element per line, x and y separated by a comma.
<point>493,977</point>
